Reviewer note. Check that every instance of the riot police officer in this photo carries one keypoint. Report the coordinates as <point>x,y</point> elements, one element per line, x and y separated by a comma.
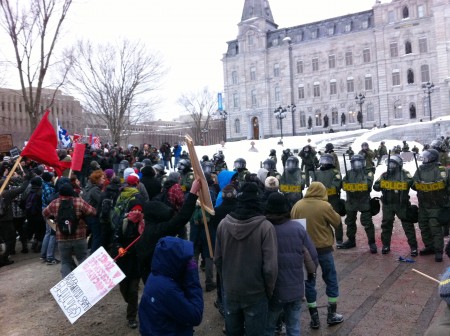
<point>270,165</point>
<point>161,174</point>
<point>329,149</point>
<point>431,181</point>
<point>186,173</point>
<point>240,166</point>
<point>292,182</point>
<point>331,178</point>
<point>368,156</point>
<point>273,156</point>
<point>309,162</point>
<point>394,185</point>
<point>440,146</point>
<point>357,183</point>
<point>219,162</point>
<point>382,150</point>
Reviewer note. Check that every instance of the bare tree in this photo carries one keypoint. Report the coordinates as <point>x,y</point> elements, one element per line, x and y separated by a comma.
<point>117,82</point>
<point>201,106</point>
<point>33,27</point>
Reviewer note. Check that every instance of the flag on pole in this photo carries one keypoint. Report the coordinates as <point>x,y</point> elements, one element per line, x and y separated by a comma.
<point>42,146</point>
<point>63,137</point>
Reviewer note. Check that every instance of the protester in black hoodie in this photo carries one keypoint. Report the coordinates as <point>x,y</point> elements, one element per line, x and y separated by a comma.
<point>160,222</point>
<point>150,182</point>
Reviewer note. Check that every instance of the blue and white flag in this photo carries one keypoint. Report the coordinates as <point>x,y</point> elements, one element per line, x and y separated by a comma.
<point>63,137</point>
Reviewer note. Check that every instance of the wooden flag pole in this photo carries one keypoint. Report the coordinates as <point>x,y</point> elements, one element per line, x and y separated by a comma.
<point>10,174</point>
<point>426,276</point>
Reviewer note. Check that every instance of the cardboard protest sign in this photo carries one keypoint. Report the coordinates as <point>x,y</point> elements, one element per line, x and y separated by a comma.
<point>87,284</point>
<point>205,197</point>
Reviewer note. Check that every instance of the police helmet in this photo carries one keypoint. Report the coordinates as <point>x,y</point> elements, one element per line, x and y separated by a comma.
<point>327,160</point>
<point>269,164</point>
<point>430,156</point>
<point>158,168</point>
<point>329,146</point>
<point>438,145</point>
<point>138,165</point>
<point>292,164</point>
<point>239,163</point>
<point>215,157</point>
<point>208,167</point>
<point>205,158</point>
<point>395,162</point>
<point>184,165</point>
<point>273,152</point>
<point>365,145</point>
<point>358,162</point>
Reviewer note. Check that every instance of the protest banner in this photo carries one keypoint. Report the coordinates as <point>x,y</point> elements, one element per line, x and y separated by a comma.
<point>87,284</point>
<point>78,157</point>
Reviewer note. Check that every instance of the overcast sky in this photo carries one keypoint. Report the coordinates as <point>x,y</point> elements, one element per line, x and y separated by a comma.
<point>190,35</point>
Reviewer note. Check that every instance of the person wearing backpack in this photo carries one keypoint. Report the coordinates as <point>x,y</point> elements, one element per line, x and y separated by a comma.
<point>131,228</point>
<point>33,212</point>
<point>70,242</point>
<point>7,230</point>
<point>108,202</point>
<point>93,195</point>
<point>49,242</point>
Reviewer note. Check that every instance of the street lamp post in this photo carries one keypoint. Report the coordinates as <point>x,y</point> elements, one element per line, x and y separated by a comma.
<point>280,113</point>
<point>428,89</point>
<point>292,109</point>
<point>360,101</point>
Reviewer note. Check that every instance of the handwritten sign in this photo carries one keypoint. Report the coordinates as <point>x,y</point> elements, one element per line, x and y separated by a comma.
<point>87,284</point>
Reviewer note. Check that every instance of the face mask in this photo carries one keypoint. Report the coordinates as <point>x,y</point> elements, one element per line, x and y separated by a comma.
<point>392,166</point>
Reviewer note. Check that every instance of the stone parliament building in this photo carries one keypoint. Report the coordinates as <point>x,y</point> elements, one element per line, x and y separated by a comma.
<point>389,65</point>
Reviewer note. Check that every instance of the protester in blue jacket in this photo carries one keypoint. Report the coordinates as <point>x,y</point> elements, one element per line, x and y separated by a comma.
<point>225,178</point>
<point>172,302</point>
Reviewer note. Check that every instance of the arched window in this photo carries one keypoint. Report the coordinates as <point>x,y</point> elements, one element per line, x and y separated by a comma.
<point>408,47</point>
<point>237,126</point>
<point>405,12</point>
<point>412,111</point>
<point>410,76</point>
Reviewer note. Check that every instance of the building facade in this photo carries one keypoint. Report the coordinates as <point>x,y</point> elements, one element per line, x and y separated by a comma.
<point>14,119</point>
<point>360,70</point>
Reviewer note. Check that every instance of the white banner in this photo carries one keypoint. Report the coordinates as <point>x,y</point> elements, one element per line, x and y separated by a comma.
<point>87,284</point>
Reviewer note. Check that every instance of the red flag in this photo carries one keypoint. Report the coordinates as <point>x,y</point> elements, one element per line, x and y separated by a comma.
<point>42,146</point>
<point>77,138</point>
<point>78,157</point>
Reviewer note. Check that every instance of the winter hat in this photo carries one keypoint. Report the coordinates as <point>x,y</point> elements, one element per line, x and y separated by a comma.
<point>6,158</point>
<point>248,193</point>
<point>109,173</point>
<point>134,204</point>
<point>127,172</point>
<point>47,177</point>
<point>276,204</point>
<point>133,179</point>
<point>271,183</point>
<point>148,171</point>
<point>36,181</point>
<point>174,176</point>
<point>66,190</point>
<point>229,192</point>
<point>115,180</point>
<point>95,165</point>
<point>444,286</point>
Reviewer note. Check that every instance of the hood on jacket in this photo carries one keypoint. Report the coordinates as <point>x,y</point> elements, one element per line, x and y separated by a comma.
<point>157,212</point>
<point>317,190</point>
<point>242,228</point>
<point>262,174</point>
<point>128,192</point>
<point>171,256</point>
<point>225,177</point>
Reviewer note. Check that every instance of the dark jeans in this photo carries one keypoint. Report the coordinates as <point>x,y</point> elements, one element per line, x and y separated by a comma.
<point>291,315</point>
<point>94,226</point>
<point>19,225</point>
<point>129,289</point>
<point>246,318</point>
<point>329,276</point>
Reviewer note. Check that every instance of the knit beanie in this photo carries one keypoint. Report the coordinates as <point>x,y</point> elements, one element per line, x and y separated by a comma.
<point>444,286</point>
<point>229,192</point>
<point>148,171</point>
<point>248,193</point>
<point>109,173</point>
<point>47,177</point>
<point>276,204</point>
<point>66,190</point>
<point>271,183</point>
<point>127,173</point>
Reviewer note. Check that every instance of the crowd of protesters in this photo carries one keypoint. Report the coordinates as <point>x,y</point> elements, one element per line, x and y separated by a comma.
<point>149,195</point>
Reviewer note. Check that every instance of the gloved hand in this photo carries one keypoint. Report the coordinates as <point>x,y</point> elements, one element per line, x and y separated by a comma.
<point>121,251</point>
<point>311,276</point>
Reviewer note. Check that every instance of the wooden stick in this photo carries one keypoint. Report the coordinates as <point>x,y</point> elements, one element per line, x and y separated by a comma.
<point>126,249</point>
<point>426,276</point>
<point>205,223</point>
<point>11,172</point>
